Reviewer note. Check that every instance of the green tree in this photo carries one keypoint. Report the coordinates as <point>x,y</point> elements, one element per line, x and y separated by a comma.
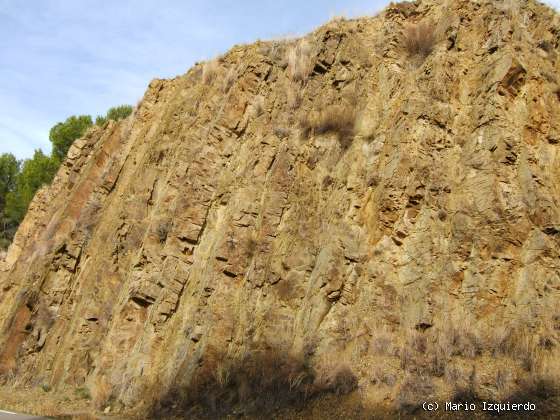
<point>115,113</point>
<point>9,168</point>
<point>62,135</point>
<point>35,173</point>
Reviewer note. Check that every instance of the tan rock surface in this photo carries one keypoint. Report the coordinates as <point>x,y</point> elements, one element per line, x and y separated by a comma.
<point>415,256</point>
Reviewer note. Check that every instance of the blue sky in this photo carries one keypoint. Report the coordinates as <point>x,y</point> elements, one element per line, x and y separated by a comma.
<point>65,57</point>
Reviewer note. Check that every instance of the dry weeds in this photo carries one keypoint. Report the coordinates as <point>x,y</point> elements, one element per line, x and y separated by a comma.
<point>256,107</point>
<point>210,71</point>
<point>335,376</point>
<point>294,97</point>
<point>419,39</point>
<point>414,389</point>
<point>231,76</point>
<point>102,392</point>
<point>299,59</point>
<point>335,119</point>
<point>259,381</point>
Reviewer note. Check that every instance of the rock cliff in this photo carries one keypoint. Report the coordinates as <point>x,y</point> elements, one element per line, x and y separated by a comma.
<point>367,213</point>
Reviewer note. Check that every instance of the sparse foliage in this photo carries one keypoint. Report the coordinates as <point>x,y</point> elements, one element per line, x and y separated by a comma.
<point>413,390</point>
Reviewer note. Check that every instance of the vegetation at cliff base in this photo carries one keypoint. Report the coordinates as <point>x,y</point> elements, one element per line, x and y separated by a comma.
<point>20,179</point>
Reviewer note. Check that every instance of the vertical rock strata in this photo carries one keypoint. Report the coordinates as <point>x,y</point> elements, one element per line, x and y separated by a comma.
<point>209,224</point>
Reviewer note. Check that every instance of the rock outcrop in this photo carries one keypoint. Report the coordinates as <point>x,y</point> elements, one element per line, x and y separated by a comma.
<point>344,212</point>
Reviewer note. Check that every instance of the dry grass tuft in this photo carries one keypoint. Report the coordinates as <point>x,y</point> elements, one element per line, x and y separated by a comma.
<point>299,58</point>
<point>464,388</point>
<point>335,376</point>
<point>419,39</point>
<point>231,76</point>
<point>381,376</point>
<point>210,71</point>
<point>414,390</point>
<point>526,357</point>
<point>276,51</point>
<point>252,246</point>
<point>294,97</point>
<point>382,343</point>
<point>335,119</point>
<point>102,393</point>
<point>256,108</point>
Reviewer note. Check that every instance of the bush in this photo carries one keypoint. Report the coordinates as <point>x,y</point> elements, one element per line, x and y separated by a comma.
<point>251,247</point>
<point>281,132</point>
<point>116,113</point>
<point>83,393</point>
<point>419,39</point>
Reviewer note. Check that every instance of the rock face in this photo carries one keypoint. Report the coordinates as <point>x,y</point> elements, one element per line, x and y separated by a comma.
<point>385,215</point>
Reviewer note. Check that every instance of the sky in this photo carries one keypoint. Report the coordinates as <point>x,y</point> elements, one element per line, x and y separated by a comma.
<point>69,57</point>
